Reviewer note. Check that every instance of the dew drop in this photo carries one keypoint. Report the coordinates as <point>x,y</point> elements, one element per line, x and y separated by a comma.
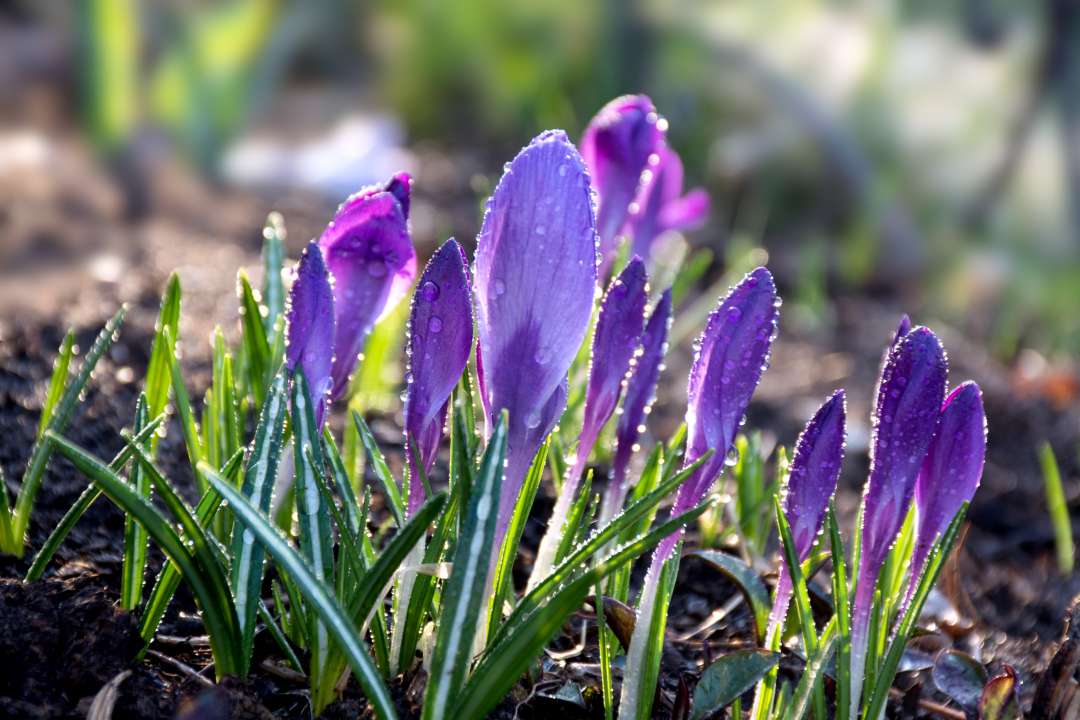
<point>435,324</point>
<point>429,291</point>
<point>500,287</point>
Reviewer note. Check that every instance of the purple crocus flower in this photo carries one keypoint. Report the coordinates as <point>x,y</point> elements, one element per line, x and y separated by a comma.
<point>729,358</point>
<point>950,472</point>
<point>810,485</point>
<point>909,397</point>
<point>619,143</point>
<point>615,343</point>
<point>637,402</point>
<point>535,276</point>
<point>661,205</point>
<point>371,257</point>
<point>440,339</point>
<point>311,326</point>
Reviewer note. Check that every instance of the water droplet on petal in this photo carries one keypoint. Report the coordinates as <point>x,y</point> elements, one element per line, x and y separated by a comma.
<point>429,291</point>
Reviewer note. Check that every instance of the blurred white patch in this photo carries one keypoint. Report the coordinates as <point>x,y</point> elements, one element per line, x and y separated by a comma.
<point>22,150</point>
<point>360,150</point>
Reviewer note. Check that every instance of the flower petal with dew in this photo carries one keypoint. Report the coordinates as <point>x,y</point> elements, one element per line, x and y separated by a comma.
<point>439,342</point>
<point>371,257</point>
<point>637,402</point>
<point>951,471</point>
<point>535,278</point>
<point>661,206</point>
<point>311,326</point>
<point>616,342</point>
<point>810,486</point>
<point>909,397</point>
<point>618,145</point>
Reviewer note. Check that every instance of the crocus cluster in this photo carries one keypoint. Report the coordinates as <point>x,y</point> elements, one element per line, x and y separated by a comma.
<point>921,440</point>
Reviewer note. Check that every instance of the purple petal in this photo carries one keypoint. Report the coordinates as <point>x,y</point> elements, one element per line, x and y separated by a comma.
<point>909,398</point>
<point>440,339</point>
<point>952,468</point>
<point>311,326</point>
<point>660,205</point>
<point>371,257</point>
<point>535,279</point>
<point>615,341</point>
<point>815,468</point>
<point>640,392</point>
<point>902,328</point>
<point>617,146</point>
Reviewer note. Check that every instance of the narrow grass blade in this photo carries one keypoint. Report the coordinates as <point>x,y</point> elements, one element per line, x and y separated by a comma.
<point>382,470</point>
<point>216,607</point>
<point>135,538</point>
<point>61,416</point>
<point>57,381</point>
<point>247,554</point>
<point>464,593</point>
<point>256,348</point>
<point>189,428</point>
<point>314,517</point>
<point>1059,509</point>
<point>273,257</point>
<point>82,504</point>
<point>333,616</point>
<point>279,637</point>
<point>166,331</point>
<point>574,524</point>
<point>843,616</point>
<point>815,668</point>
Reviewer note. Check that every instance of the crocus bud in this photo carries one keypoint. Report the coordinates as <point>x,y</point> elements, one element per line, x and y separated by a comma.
<point>615,342</point>
<point>535,275</point>
<point>311,326</point>
<point>371,257</point>
<point>440,339</point>
<point>618,145</point>
<point>637,402</point>
<point>661,205</point>
<point>811,484</point>
<point>909,397</point>
<point>951,471</point>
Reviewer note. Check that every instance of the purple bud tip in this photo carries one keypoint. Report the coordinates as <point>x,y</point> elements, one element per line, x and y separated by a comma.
<point>729,359</point>
<point>311,325</point>
<point>909,397</point>
<point>661,206</point>
<point>815,468</point>
<point>902,329</point>
<point>953,466</point>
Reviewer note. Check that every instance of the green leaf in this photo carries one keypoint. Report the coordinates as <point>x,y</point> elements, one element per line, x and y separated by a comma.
<point>190,429</point>
<point>807,691</point>
<point>135,538</point>
<point>843,616</point>
<point>574,522</point>
<point>253,336</point>
<point>315,538</point>
<point>56,382</point>
<point>216,606</point>
<point>166,332</point>
<point>728,678</point>
<point>273,256</point>
<point>65,408</point>
<point>1058,508</point>
<point>82,504</point>
<point>382,470</point>
<point>465,592</point>
<point>247,554</point>
<point>333,616</point>
<point>959,676</point>
<point>748,582</point>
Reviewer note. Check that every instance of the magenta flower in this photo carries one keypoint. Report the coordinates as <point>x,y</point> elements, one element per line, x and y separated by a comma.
<point>637,402</point>
<point>371,257</point>
<point>311,326</point>
<point>618,145</point>
<point>614,344</point>
<point>951,471</point>
<point>810,485</point>
<point>440,339</point>
<point>909,398</point>
<point>535,274</point>
<point>661,206</point>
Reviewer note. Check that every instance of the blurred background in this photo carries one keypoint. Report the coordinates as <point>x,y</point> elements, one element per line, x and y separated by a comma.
<point>927,152</point>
